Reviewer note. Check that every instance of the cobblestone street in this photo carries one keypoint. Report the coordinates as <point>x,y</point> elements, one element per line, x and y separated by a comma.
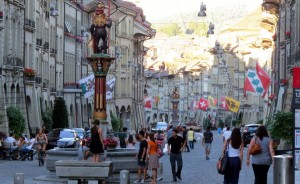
<point>198,170</point>
<point>195,168</point>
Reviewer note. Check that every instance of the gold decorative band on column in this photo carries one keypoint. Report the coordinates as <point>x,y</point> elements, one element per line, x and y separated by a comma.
<point>97,102</point>
<point>101,101</point>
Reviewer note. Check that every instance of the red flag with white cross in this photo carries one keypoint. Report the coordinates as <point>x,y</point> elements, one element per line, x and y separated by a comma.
<point>203,104</point>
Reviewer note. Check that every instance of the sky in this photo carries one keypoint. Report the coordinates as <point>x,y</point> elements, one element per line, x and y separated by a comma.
<point>156,10</point>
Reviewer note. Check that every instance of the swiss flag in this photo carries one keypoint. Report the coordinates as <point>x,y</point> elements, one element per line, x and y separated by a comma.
<point>203,104</point>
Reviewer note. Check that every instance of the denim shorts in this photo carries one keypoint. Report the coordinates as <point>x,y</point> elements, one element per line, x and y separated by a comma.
<point>141,163</point>
<point>207,146</point>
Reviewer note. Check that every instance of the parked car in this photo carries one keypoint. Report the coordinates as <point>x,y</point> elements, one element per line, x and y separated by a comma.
<point>249,132</point>
<point>79,132</point>
<point>63,138</point>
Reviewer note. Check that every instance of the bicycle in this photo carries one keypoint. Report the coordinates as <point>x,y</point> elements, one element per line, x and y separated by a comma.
<point>40,154</point>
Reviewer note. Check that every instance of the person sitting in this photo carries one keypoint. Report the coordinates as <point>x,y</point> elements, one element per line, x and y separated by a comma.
<point>130,141</point>
<point>11,146</point>
<point>20,145</point>
<point>27,151</point>
<point>83,151</point>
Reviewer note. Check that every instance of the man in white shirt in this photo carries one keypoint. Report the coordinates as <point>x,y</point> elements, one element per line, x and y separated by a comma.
<point>11,138</point>
<point>226,134</point>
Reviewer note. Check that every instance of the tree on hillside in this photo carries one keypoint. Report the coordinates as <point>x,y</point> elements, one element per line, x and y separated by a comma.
<point>16,120</point>
<point>60,114</point>
<point>200,29</point>
<point>171,29</point>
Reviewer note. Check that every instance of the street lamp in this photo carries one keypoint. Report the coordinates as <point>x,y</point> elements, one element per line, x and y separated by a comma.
<point>211,28</point>
<point>202,12</point>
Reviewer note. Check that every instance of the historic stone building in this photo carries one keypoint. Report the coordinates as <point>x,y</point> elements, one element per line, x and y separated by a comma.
<point>213,66</point>
<point>50,39</point>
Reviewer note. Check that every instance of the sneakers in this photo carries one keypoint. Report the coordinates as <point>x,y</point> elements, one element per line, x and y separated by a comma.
<point>207,158</point>
<point>139,181</point>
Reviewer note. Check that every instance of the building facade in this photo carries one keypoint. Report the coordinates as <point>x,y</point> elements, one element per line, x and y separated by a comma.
<point>50,39</point>
<point>214,66</point>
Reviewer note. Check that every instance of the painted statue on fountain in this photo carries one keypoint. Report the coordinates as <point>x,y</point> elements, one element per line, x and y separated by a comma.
<point>98,30</point>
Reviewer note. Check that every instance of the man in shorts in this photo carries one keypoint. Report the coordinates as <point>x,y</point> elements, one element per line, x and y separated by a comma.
<point>206,141</point>
<point>141,158</point>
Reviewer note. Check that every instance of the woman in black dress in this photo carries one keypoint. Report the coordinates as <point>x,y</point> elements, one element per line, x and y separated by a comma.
<point>96,146</point>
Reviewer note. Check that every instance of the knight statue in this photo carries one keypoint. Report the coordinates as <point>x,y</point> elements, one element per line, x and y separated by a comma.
<point>175,94</point>
<point>98,30</point>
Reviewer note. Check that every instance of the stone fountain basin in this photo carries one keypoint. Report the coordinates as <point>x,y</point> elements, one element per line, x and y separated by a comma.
<point>122,158</point>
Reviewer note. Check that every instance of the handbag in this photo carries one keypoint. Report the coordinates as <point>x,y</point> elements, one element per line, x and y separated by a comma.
<point>223,161</point>
<point>255,149</point>
<point>160,153</point>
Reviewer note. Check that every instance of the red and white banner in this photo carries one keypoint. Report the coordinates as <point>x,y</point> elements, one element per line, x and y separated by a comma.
<point>223,103</point>
<point>257,81</point>
<point>148,103</point>
<point>203,104</point>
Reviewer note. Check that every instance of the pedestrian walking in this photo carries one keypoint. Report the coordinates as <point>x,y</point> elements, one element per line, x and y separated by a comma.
<point>191,138</point>
<point>96,146</point>
<point>226,134</point>
<point>169,132</point>
<point>206,141</point>
<point>261,162</point>
<point>235,148</point>
<point>175,147</point>
<point>184,135</point>
<point>152,152</point>
<point>141,158</point>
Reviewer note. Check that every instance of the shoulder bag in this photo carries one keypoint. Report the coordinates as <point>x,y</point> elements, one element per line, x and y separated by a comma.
<point>255,149</point>
<point>223,161</point>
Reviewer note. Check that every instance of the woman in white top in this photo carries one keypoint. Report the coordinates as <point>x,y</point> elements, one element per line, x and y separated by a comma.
<point>235,148</point>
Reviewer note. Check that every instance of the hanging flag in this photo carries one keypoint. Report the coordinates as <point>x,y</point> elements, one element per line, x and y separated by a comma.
<point>156,100</point>
<point>87,85</point>
<point>223,103</point>
<point>148,102</point>
<point>232,104</point>
<point>110,85</point>
<point>195,105</point>
<point>257,81</point>
<point>203,104</point>
<point>212,101</point>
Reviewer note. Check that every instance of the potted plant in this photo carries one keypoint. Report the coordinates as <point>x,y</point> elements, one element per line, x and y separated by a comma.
<point>29,72</point>
<point>110,143</point>
<point>281,128</point>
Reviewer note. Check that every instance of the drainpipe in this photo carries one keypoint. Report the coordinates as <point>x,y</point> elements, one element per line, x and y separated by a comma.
<point>25,93</point>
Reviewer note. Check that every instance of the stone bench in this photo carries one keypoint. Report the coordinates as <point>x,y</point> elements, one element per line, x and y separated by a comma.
<point>83,170</point>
